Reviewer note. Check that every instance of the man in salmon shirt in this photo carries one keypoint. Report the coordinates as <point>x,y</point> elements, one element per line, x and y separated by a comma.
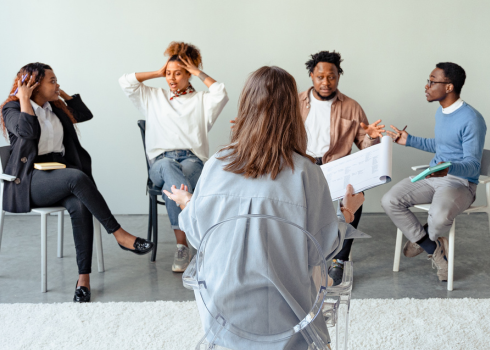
<point>334,122</point>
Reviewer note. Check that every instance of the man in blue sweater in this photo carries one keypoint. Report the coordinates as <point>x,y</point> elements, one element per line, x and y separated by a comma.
<point>459,138</point>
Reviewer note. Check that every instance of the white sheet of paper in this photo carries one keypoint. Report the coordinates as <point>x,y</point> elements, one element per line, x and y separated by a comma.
<point>365,169</point>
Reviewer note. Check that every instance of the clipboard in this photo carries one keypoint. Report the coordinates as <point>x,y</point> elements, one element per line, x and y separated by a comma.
<point>364,169</point>
<point>431,170</point>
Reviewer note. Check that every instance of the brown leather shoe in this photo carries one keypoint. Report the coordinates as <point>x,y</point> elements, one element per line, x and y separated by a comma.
<point>411,249</point>
<point>439,258</point>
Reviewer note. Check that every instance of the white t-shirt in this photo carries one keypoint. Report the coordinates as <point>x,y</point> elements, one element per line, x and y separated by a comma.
<point>317,126</point>
<point>182,123</point>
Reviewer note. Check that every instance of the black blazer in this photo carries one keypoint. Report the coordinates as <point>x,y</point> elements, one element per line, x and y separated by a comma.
<point>24,133</point>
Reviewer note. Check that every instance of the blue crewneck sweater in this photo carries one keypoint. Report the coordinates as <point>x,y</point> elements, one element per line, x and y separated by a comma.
<point>459,139</point>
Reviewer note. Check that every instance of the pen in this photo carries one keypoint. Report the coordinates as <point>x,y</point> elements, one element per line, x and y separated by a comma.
<point>401,135</point>
<point>23,79</point>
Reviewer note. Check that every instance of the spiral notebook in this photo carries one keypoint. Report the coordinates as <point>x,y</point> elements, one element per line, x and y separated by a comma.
<point>364,169</point>
<point>49,166</point>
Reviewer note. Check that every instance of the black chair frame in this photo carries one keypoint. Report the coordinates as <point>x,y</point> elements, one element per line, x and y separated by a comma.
<point>153,191</point>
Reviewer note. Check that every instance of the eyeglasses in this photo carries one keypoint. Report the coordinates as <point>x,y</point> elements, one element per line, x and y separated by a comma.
<point>430,82</point>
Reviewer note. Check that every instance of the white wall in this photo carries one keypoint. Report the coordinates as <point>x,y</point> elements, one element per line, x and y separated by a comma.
<point>389,48</point>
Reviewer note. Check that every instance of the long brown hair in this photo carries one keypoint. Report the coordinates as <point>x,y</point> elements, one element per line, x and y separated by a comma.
<point>268,128</point>
<point>39,71</point>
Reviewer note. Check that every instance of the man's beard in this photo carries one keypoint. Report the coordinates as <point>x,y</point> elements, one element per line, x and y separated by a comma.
<point>326,98</point>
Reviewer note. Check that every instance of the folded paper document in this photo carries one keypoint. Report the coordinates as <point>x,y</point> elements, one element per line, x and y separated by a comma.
<point>364,169</point>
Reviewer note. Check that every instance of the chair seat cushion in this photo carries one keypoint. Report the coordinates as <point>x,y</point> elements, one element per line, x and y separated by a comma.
<point>48,210</point>
<point>471,209</point>
<point>154,190</point>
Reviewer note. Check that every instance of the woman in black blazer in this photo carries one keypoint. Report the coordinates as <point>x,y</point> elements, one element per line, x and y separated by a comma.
<point>40,127</point>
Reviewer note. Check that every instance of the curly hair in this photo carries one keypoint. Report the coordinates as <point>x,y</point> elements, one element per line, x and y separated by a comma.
<point>455,73</point>
<point>184,50</point>
<point>324,56</point>
<point>38,70</point>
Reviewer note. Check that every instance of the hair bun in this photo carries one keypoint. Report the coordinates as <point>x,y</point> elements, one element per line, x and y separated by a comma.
<point>184,50</point>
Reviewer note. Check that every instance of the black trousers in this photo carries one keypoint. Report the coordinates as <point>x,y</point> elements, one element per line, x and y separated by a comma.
<point>347,247</point>
<point>74,190</point>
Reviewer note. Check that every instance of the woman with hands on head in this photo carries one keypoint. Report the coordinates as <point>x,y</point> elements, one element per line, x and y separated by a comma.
<point>177,124</point>
<point>265,170</point>
<point>41,128</point>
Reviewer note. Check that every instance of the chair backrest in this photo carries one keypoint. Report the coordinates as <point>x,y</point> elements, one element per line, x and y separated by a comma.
<point>4,157</point>
<point>252,275</point>
<point>485,163</point>
<point>142,126</point>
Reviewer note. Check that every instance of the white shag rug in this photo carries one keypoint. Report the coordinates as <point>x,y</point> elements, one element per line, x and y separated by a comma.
<point>374,324</point>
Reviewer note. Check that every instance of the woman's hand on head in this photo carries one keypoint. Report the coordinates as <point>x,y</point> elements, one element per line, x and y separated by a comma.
<point>65,96</point>
<point>352,201</point>
<point>26,88</point>
<point>189,66</point>
<point>180,196</point>
<point>162,72</point>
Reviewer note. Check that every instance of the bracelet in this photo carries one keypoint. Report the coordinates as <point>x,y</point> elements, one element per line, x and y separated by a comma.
<point>369,137</point>
<point>202,76</point>
<point>349,211</point>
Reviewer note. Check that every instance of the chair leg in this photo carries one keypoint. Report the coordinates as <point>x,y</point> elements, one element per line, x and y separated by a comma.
<point>44,253</point>
<point>61,223</point>
<point>2,221</point>
<point>98,245</point>
<point>450,258</point>
<point>398,250</point>
<point>150,211</point>
<point>488,214</point>
<point>346,336</point>
<point>154,217</point>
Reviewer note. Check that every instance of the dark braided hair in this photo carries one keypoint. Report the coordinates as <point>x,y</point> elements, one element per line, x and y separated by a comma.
<point>454,73</point>
<point>324,56</point>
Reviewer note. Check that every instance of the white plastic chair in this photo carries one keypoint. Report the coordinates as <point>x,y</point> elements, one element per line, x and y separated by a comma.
<point>44,212</point>
<point>484,180</point>
<point>337,296</point>
<point>222,307</point>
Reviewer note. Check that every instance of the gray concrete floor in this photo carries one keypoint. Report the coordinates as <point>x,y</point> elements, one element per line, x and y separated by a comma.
<point>134,278</point>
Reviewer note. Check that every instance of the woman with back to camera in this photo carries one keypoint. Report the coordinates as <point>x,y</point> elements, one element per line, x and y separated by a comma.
<point>40,127</point>
<point>265,170</point>
<point>177,126</point>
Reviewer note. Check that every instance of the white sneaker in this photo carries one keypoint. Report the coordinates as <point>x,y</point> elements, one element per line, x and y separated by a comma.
<point>181,258</point>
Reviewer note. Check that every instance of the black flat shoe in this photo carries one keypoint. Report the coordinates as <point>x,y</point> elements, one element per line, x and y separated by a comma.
<point>141,246</point>
<point>82,294</point>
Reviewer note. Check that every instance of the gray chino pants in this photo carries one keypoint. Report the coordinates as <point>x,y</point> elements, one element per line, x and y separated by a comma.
<point>449,196</point>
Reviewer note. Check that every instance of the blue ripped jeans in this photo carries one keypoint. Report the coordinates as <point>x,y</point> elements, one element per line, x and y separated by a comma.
<point>175,168</point>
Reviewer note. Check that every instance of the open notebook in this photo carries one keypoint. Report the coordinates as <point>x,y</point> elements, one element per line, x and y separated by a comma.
<point>364,169</point>
<point>49,166</point>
